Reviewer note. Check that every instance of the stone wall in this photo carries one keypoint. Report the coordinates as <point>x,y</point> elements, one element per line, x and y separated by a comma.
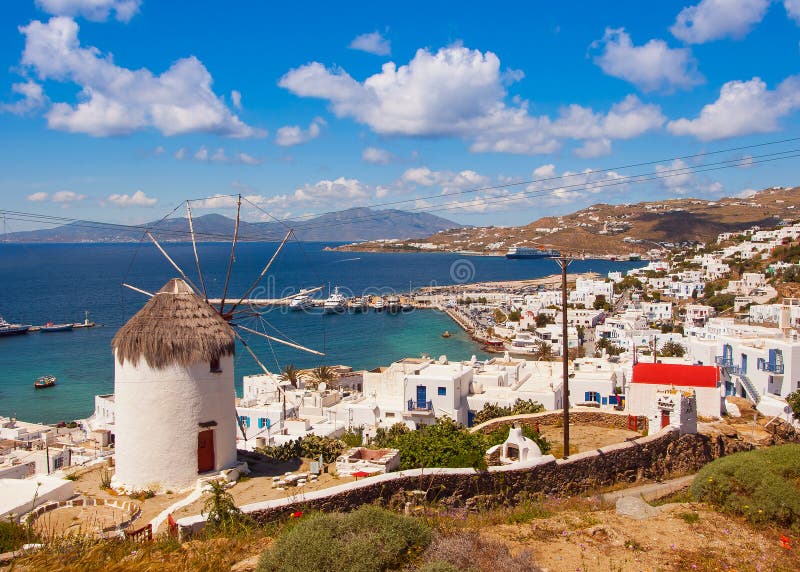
<point>583,416</point>
<point>666,454</point>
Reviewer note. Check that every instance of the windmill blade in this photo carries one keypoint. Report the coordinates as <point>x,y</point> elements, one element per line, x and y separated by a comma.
<point>278,340</point>
<point>233,252</point>
<point>240,425</point>
<point>194,247</point>
<point>301,293</point>
<point>174,264</point>
<point>251,352</point>
<point>139,290</point>
<point>264,271</point>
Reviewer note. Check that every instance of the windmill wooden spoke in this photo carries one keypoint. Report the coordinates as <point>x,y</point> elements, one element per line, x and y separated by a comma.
<point>174,264</point>
<point>233,252</point>
<point>250,351</point>
<point>194,247</point>
<point>264,271</point>
<point>278,340</point>
<point>139,290</point>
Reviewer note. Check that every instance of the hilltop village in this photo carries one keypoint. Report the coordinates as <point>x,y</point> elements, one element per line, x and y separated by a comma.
<point>692,338</point>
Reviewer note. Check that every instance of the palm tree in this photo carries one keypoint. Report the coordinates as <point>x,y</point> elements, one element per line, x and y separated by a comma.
<point>290,374</point>
<point>323,374</point>
<point>542,351</point>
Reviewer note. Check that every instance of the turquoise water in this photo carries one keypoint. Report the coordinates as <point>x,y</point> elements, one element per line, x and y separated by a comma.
<point>58,282</point>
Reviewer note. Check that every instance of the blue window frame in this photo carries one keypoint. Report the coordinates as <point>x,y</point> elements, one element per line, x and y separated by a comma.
<point>244,420</point>
<point>441,391</point>
<point>264,422</point>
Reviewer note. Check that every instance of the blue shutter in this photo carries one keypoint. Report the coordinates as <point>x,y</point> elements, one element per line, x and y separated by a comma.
<point>586,396</point>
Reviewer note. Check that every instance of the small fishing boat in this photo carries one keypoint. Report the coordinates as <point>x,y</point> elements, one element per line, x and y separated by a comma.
<point>446,334</point>
<point>379,305</point>
<point>51,327</point>
<point>44,382</point>
<point>393,304</point>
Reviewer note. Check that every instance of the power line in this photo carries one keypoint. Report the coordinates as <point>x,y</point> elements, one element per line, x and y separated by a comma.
<point>622,180</point>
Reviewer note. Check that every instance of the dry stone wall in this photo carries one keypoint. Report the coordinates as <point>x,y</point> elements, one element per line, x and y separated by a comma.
<point>660,456</point>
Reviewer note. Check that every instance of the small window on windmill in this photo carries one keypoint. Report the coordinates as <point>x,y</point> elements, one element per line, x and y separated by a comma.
<point>214,366</point>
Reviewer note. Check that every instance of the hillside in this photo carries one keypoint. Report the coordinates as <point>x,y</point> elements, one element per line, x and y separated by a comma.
<point>605,229</point>
<point>349,225</point>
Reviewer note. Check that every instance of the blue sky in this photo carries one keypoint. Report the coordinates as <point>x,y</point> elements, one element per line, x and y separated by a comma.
<point>118,110</point>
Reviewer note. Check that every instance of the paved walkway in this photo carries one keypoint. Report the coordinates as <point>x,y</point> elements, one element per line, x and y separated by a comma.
<point>649,492</point>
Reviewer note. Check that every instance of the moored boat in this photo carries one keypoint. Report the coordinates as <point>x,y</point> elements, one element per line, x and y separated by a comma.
<point>446,334</point>
<point>359,304</point>
<point>379,304</point>
<point>393,304</point>
<point>7,329</point>
<point>300,303</point>
<point>523,252</point>
<point>336,303</point>
<point>44,382</point>
<point>51,327</point>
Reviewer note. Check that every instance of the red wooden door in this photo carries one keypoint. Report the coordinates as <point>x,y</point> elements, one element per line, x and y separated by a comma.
<point>205,451</point>
<point>664,419</point>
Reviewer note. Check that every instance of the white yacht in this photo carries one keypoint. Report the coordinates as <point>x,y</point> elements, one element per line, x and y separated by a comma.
<point>379,304</point>
<point>336,303</point>
<point>359,305</point>
<point>301,303</point>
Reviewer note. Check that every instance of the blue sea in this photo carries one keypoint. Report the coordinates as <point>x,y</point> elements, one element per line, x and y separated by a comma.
<point>58,282</point>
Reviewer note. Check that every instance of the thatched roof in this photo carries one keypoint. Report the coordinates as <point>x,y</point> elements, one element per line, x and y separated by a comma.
<point>175,327</point>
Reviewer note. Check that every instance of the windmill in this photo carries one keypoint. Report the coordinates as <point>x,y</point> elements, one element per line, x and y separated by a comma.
<point>234,313</point>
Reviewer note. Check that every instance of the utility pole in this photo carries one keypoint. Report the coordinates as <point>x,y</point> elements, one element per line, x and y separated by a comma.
<point>563,262</point>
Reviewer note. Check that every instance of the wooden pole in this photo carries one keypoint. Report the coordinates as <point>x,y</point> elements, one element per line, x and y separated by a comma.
<point>564,262</point>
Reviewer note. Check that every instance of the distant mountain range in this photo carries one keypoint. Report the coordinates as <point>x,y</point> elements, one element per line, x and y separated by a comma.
<point>605,229</point>
<point>356,224</point>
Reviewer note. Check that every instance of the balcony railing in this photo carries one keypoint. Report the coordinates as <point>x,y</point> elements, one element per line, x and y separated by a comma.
<point>728,365</point>
<point>776,368</point>
<point>420,405</point>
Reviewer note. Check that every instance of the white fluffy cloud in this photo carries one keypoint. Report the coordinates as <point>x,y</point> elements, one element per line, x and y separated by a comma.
<point>63,197</point>
<point>448,181</point>
<point>117,100</point>
<point>137,199</point>
<point>792,9</point>
<point>95,10</point>
<point>373,43</point>
<point>714,19</point>
<point>291,135</point>
<point>376,156</point>
<point>677,178</point>
<point>39,197</point>
<point>203,155</point>
<point>33,98</point>
<point>236,99</point>
<point>743,107</point>
<point>457,92</point>
<point>649,67</point>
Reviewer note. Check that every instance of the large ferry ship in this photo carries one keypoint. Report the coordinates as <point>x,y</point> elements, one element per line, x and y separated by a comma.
<point>523,252</point>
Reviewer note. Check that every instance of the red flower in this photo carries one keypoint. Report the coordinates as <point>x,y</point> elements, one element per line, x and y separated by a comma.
<point>296,514</point>
<point>786,543</point>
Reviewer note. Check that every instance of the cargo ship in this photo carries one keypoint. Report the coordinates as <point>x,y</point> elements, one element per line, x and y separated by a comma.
<point>523,252</point>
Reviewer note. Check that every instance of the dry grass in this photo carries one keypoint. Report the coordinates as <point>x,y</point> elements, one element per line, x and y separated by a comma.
<point>174,327</point>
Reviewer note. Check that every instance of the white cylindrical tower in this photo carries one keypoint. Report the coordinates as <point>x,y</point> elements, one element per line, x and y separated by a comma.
<point>175,415</point>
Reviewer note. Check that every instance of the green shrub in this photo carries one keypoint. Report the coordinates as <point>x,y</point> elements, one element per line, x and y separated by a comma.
<point>354,437</point>
<point>762,485</point>
<point>14,535</point>
<point>442,444</point>
<point>222,514</point>
<point>369,539</point>
<point>309,447</point>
